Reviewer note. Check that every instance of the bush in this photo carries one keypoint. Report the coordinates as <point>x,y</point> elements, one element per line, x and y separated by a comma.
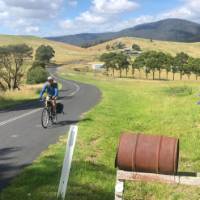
<point>37,75</point>
<point>136,47</point>
<point>38,64</point>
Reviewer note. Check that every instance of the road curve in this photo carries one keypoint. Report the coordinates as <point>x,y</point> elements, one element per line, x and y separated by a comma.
<point>22,138</point>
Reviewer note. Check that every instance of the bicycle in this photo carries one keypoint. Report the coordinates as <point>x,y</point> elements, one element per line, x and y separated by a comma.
<point>48,114</point>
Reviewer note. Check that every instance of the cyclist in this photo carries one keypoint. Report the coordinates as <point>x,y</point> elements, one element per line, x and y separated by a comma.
<point>51,87</point>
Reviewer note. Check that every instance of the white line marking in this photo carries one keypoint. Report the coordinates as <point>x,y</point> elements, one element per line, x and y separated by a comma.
<point>19,117</point>
<point>37,110</point>
<point>71,83</point>
<point>14,136</point>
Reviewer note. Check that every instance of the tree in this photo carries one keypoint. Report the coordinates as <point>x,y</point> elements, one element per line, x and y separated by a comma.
<point>110,61</point>
<point>162,60</point>
<point>180,60</point>
<point>118,45</point>
<point>187,69</point>
<point>44,54</point>
<point>19,53</point>
<point>138,63</point>
<point>12,59</point>
<point>5,69</point>
<point>108,47</point>
<point>122,63</point>
<point>136,47</point>
<point>168,64</point>
<point>175,69</point>
<point>194,64</point>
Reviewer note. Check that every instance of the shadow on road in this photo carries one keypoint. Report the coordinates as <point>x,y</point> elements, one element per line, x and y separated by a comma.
<point>8,168</point>
<point>70,122</point>
<point>26,105</point>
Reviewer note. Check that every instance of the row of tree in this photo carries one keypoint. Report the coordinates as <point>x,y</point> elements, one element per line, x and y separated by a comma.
<point>151,62</point>
<point>13,61</point>
<point>115,61</point>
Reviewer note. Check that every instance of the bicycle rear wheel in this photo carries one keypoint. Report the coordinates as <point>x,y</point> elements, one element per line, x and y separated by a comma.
<point>45,118</point>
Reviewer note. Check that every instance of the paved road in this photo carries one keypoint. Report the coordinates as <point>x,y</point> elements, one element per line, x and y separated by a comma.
<point>22,138</point>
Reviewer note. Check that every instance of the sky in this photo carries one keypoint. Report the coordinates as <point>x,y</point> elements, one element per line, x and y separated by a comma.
<point>66,17</point>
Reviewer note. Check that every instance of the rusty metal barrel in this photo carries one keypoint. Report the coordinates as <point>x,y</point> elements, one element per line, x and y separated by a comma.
<point>147,153</point>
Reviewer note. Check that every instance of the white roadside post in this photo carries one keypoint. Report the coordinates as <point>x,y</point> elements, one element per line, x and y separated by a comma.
<point>67,161</point>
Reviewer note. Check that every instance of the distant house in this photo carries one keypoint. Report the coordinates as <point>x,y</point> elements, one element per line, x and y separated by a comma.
<point>97,66</point>
<point>130,51</point>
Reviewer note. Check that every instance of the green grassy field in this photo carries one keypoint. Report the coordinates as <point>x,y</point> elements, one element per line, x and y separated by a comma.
<point>150,107</point>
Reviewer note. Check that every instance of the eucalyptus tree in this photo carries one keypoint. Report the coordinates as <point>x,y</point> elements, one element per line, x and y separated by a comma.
<point>194,64</point>
<point>138,64</point>
<point>109,60</point>
<point>161,62</point>
<point>44,54</point>
<point>181,60</point>
<point>12,60</point>
<point>122,63</point>
<point>169,61</point>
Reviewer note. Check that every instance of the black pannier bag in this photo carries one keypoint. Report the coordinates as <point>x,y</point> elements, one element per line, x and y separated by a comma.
<point>60,108</point>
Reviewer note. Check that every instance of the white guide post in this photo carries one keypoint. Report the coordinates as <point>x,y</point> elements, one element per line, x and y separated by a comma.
<point>67,161</point>
<point>119,189</point>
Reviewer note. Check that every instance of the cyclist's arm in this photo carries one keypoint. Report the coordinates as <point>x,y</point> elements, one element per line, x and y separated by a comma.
<point>43,91</point>
<point>56,92</point>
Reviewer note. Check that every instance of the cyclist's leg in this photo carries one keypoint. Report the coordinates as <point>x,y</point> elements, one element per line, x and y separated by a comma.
<point>54,105</point>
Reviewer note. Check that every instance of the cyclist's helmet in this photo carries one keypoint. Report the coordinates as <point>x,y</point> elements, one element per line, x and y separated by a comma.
<point>50,78</point>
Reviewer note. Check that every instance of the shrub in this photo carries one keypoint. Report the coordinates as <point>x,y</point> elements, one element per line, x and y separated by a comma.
<point>38,64</point>
<point>37,75</point>
<point>136,47</point>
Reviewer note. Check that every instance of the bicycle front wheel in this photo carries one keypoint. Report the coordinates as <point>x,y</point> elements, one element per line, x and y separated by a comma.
<point>45,118</point>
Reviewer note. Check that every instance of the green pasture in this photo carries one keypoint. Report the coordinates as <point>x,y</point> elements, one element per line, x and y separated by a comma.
<point>150,107</point>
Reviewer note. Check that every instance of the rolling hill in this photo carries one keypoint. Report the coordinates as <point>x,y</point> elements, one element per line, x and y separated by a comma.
<point>193,49</point>
<point>64,52</point>
<point>167,30</point>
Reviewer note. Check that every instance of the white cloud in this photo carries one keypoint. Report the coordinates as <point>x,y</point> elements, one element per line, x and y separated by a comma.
<point>189,10</point>
<point>66,24</point>
<point>32,29</point>
<point>99,17</point>
<point>89,17</point>
<point>113,6</point>
<point>26,15</point>
<point>72,3</point>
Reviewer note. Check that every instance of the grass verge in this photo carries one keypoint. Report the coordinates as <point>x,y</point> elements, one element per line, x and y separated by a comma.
<point>151,107</point>
<point>12,98</point>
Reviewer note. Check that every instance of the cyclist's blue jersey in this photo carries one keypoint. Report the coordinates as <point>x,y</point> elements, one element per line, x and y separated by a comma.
<point>52,90</point>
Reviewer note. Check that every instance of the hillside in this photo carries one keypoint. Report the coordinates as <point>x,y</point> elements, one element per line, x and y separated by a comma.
<point>168,30</point>
<point>193,49</point>
<point>64,52</point>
